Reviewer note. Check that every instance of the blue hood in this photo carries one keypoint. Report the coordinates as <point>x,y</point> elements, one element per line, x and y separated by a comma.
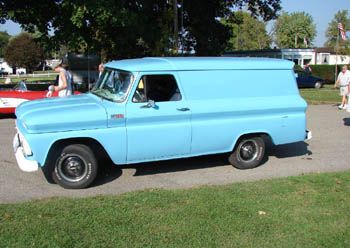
<point>59,114</point>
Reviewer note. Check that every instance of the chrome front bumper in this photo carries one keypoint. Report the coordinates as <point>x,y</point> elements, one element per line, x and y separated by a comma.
<point>23,163</point>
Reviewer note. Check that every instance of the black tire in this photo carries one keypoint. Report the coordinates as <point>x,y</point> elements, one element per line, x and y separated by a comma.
<point>248,153</point>
<point>75,167</point>
<point>318,85</point>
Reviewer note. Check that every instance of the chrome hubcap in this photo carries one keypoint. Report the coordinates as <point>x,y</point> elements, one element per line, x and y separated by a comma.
<point>248,150</point>
<point>72,168</point>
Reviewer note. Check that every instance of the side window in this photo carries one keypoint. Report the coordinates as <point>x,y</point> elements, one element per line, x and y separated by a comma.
<point>159,88</point>
<point>140,93</point>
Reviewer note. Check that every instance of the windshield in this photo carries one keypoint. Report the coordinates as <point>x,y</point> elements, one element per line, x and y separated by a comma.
<point>113,85</point>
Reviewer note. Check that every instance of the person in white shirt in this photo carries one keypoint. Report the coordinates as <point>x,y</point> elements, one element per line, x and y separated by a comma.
<point>64,87</point>
<point>343,81</point>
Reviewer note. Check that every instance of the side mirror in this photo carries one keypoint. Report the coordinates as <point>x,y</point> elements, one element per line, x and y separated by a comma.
<point>150,104</point>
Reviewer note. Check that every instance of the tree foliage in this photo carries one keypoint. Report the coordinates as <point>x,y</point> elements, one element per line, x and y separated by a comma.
<point>290,29</point>
<point>247,33</point>
<point>4,39</point>
<point>23,51</point>
<point>131,28</point>
<point>332,31</point>
<point>207,34</point>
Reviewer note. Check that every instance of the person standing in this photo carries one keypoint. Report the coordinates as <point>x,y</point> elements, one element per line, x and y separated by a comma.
<point>101,68</point>
<point>64,87</point>
<point>307,68</point>
<point>343,82</point>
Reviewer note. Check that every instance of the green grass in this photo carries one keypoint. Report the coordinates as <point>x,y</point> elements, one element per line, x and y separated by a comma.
<point>30,79</point>
<point>326,95</point>
<point>305,211</point>
<point>44,72</point>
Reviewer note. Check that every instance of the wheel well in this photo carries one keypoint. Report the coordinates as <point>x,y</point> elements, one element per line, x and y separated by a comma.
<point>93,144</point>
<point>266,137</point>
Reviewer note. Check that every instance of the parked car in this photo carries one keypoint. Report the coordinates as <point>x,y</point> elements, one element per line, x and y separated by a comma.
<point>306,80</point>
<point>152,109</point>
<point>11,98</point>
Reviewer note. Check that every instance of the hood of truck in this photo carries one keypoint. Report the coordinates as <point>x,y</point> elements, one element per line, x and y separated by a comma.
<point>57,114</point>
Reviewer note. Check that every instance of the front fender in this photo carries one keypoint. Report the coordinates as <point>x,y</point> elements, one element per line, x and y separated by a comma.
<point>113,140</point>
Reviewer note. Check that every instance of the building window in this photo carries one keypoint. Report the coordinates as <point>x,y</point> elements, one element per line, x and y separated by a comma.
<point>325,58</point>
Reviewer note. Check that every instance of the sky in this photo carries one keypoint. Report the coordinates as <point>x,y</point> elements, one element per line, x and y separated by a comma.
<point>322,11</point>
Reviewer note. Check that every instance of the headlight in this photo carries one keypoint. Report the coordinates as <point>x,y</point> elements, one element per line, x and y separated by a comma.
<point>26,148</point>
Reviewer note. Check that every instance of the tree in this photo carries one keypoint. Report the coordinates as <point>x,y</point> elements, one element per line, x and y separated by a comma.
<point>23,51</point>
<point>131,28</point>
<point>290,30</point>
<point>332,31</point>
<point>247,33</point>
<point>206,33</point>
<point>4,39</point>
<point>113,28</point>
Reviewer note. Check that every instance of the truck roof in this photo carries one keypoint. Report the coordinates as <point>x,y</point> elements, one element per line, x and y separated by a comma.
<point>199,63</point>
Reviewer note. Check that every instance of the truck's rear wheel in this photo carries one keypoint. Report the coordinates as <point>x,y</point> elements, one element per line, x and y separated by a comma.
<point>248,153</point>
<point>75,167</point>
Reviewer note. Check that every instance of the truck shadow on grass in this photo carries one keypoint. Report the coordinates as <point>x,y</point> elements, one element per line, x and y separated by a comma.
<point>109,172</point>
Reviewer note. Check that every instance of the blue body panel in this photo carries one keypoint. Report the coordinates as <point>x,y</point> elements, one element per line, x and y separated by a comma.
<point>199,63</point>
<point>162,132</point>
<point>57,114</point>
<point>225,97</point>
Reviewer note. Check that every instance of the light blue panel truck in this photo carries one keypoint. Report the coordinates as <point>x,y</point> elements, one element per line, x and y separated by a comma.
<point>153,109</point>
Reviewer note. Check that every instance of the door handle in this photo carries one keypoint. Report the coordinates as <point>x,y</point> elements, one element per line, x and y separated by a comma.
<point>183,109</point>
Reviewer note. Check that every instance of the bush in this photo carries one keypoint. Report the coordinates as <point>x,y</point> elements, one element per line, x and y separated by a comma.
<point>297,67</point>
<point>325,71</point>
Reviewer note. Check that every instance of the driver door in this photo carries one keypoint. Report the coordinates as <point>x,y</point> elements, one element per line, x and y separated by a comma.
<point>158,120</point>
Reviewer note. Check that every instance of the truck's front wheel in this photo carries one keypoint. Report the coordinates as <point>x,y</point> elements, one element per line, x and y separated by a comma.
<point>75,167</point>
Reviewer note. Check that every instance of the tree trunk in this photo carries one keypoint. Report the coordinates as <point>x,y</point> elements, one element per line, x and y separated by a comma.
<point>176,27</point>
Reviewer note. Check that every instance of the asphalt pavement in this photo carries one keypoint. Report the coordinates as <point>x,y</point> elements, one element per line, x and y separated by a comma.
<point>327,151</point>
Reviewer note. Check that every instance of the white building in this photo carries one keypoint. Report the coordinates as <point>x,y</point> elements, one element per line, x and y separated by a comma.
<point>7,68</point>
<point>53,62</point>
<point>300,56</point>
<point>328,56</point>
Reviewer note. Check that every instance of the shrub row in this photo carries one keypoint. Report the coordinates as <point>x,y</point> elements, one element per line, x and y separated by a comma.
<point>326,72</point>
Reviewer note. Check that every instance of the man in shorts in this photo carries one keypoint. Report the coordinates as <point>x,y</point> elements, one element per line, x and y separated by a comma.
<point>343,81</point>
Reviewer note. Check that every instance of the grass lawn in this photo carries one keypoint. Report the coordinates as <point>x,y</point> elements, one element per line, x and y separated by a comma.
<point>31,79</point>
<point>305,211</point>
<point>326,95</point>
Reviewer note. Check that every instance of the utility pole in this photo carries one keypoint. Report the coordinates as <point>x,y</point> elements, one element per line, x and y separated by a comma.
<point>182,27</point>
<point>336,56</point>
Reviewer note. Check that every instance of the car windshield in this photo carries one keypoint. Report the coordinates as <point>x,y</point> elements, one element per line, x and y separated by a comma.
<point>113,85</point>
